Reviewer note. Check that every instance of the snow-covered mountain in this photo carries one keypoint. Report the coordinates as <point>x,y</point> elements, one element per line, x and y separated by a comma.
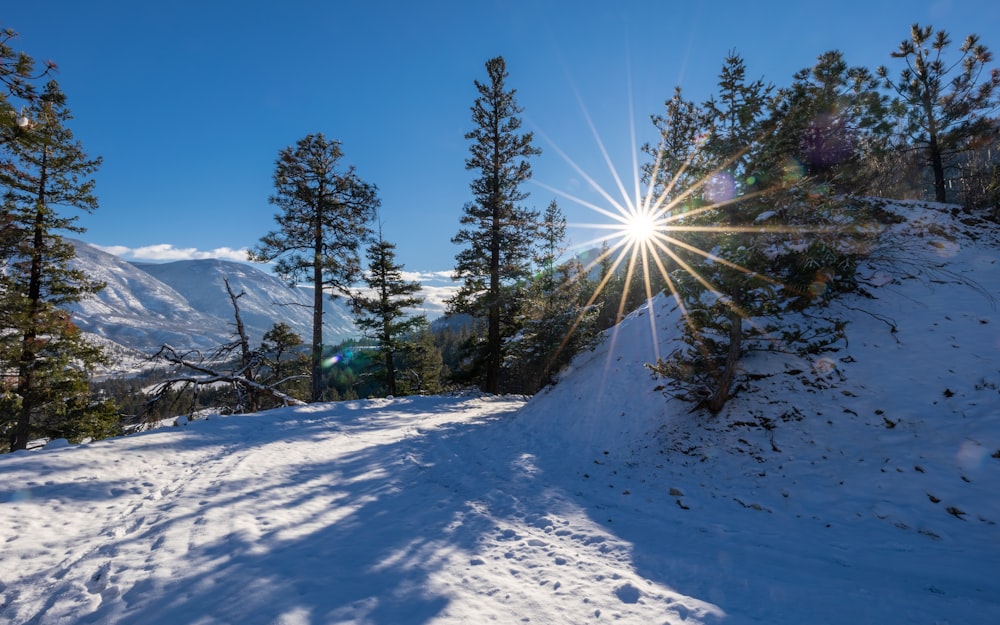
<point>265,298</point>
<point>185,303</point>
<point>854,486</point>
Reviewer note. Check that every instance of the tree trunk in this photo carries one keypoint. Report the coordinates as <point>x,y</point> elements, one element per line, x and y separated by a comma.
<point>317,334</point>
<point>246,366</point>
<point>25,380</point>
<point>733,353</point>
<point>493,329</point>
<point>390,369</point>
<point>390,373</point>
<point>493,320</point>
<point>29,342</point>
<point>934,146</point>
<point>938,166</point>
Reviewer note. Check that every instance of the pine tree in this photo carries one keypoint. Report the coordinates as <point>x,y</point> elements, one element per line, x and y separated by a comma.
<point>555,319</point>
<point>17,91</point>
<point>499,234</point>
<point>609,291</point>
<point>325,214</point>
<point>286,366</point>
<point>383,315</point>
<point>425,363</point>
<point>46,168</point>
<point>834,122</point>
<point>18,78</point>
<point>738,127</point>
<point>551,237</point>
<point>452,336</point>
<point>943,112</point>
<point>678,163</point>
<point>736,275</point>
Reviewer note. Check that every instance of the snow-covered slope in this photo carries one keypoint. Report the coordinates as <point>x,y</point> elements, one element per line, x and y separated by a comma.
<point>138,311</point>
<point>857,486</point>
<point>853,486</point>
<point>185,303</point>
<point>265,298</point>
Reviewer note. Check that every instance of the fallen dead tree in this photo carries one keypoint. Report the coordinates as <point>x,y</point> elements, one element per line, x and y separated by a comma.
<point>252,375</point>
<point>205,375</point>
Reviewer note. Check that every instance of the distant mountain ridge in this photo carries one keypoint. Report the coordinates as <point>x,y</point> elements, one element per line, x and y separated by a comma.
<point>185,303</point>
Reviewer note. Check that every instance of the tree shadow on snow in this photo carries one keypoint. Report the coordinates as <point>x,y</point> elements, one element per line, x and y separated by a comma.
<point>357,538</point>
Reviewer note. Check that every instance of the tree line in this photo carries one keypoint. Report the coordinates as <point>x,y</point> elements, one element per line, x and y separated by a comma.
<point>769,183</point>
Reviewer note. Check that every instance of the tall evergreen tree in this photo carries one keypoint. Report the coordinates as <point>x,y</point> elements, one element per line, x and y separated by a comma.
<point>946,102</point>
<point>45,168</point>
<point>833,123</point>
<point>556,320</point>
<point>384,314</point>
<point>498,233</point>
<point>326,209</point>
<point>738,126</point>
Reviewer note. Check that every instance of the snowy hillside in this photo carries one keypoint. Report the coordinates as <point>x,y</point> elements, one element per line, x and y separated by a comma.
<point>265,300</point>
<point>138,311</point>
<point>858,486</point>
<point>185,303</point>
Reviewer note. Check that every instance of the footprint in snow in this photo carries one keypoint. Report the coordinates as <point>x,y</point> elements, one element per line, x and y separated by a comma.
<point>99,580</point>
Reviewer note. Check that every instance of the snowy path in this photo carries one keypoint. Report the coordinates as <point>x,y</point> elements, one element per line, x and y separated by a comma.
<point>424,510</point>
<point>383,512</point>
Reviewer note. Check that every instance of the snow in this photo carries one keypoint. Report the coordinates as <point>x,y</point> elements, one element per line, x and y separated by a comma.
<point>855,486</point>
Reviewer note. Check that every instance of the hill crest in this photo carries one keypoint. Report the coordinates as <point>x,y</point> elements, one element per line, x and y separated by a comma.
<point>185,304</point>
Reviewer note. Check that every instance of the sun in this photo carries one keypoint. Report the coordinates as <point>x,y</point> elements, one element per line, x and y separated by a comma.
<point>640,226</point>
<point>642,242</point>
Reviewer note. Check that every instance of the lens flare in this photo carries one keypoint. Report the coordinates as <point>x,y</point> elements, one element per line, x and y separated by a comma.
<point>720,188</point>
<point>824,366</point>
<point>641,238</point>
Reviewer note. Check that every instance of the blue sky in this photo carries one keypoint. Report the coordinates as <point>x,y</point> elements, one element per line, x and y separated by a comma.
<point>189,102</point>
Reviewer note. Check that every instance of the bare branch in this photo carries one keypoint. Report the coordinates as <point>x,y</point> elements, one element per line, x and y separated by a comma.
<point>206,375</point>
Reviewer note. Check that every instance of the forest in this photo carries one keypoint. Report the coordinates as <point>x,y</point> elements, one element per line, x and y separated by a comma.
<point>761,200</point>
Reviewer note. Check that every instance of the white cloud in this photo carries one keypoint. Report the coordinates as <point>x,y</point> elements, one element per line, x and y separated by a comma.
<point>434,297</point>
<point>413,276</point>
<point>167,252</point>
<point>116,250</point>
<point>427,276</point>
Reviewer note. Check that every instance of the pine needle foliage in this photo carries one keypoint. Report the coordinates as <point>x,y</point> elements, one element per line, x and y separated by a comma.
<point>46,360</point>
<point>384,313</point>
<point>498,234</point>
<point>946,103</point>
<point>325,213</point>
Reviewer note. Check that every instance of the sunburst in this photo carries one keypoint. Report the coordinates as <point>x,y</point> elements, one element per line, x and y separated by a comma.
<point>641,232</point>
<point>658,235</point>
<point>641,227</point>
